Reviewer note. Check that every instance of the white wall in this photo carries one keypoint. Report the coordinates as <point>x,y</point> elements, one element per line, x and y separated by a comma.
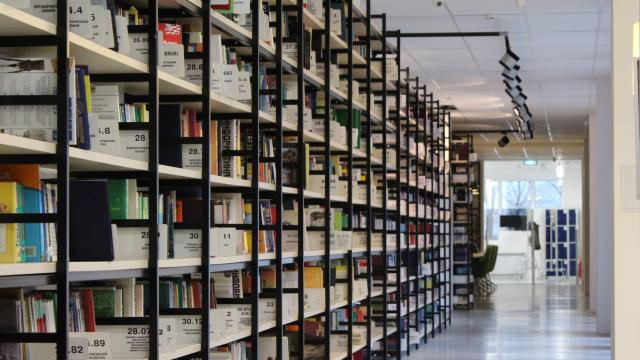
<point>626,224</point>
<point>601,205</point>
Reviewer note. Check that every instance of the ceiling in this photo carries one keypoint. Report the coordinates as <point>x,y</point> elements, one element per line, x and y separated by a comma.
<point>563,46</point>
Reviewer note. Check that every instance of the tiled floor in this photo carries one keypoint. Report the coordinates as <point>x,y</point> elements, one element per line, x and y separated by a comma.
<point>522,322</point>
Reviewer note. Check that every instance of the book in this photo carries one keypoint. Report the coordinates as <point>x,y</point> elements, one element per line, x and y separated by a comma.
<point>228,284</point>
<point>10,202</point>
<point>33,242</point>
<point>119,198</point>
<point>90,235</point>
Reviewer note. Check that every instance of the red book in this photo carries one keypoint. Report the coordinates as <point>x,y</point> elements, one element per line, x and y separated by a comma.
<point>221,5</point>
<point>179,206</point>
<point>197,294</point>
<point>171,33</point>
<point>192,122</point>
<point>198,129</point>
<point>86,295</point>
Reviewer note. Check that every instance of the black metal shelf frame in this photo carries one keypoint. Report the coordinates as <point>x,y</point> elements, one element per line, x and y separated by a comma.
<point>415,100</point>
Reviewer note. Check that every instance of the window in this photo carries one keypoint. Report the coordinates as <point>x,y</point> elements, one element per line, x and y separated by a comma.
<point>516,195</point>
<point>548,194</point>
<point>491,208</point>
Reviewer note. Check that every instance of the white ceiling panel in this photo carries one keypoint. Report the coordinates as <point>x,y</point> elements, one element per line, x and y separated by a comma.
<point>507,22</point>
<point>428,54</point>
<point>466,65</point>
<point>604,38</point>
<point>482,7</point>
<point>564,52</point>
<point>422,24</point>
<point>560,64</point>
<point>546,22</point>
<point>483,42</point>
<point>433,43</point>
<point>561,6</point>
<point>563,46</point>
<point>565,38</point>
<point>407,8</point>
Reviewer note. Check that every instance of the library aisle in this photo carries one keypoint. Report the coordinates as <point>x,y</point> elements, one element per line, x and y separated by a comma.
<point>523,322</point>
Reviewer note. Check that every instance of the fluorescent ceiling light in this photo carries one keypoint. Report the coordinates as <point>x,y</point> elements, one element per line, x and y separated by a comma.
<point>560,171</point>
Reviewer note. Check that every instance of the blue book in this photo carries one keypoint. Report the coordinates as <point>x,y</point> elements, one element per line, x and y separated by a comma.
<point>33,246</point>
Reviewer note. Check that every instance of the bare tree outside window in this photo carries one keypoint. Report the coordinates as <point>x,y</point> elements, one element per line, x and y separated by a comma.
<point>516,195</point>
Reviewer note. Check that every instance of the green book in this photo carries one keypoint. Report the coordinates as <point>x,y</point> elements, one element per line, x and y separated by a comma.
<point>165,294</point>
<point>104,301</point>
<point>118,198</point>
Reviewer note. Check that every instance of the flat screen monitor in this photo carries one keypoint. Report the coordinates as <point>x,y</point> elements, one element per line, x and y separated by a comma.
<point>513,222</point>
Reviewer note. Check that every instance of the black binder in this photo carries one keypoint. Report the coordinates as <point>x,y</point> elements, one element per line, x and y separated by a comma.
<point>90,236</point>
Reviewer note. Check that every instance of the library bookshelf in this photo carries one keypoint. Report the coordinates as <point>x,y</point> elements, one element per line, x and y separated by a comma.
<point>466,220</point>
<point>385,272</point>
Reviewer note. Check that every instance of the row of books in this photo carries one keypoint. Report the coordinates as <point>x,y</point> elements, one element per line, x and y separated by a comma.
<point>95,238</point>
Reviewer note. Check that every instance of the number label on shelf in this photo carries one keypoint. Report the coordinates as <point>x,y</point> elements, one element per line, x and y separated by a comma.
<point>244,86</point>
<point>135,144</point>
<point>80,17</point>
<point>172,59</point>
<point>78,349</point>
<point>133,340</point>
<point>191,156</point>
<point>133,243</point>
<point>95,345</point>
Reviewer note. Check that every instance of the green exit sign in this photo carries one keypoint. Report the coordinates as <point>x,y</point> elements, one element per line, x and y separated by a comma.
<point>530,162</point>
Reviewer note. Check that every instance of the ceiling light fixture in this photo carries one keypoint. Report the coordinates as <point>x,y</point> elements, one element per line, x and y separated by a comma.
<point>519,100</point>
<point>504,141</point>
<point>510,60</point>
<point>516,111</point>
<point>510,74</point>
<point>512,83</point>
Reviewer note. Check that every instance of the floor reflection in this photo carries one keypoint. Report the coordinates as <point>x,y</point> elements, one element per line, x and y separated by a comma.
<point>522,322</point>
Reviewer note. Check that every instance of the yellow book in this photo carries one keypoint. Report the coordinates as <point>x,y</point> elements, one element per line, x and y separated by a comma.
<point>313,277</point>
<point>9,248</point>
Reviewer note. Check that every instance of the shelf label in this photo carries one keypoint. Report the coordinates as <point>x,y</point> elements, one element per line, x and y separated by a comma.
<point>133,243</point>
<point>186,243</point>
<point>192,156</point>
<point>133,340</point>
<point>189,327</point>
<point>98,25</point>
<point>244,86</point>
<point>78,349</point>
<point>230,81</point>
<point>134,145</point>
<point>172,59</point>
<point>80,17</point>
<point>94,345</point>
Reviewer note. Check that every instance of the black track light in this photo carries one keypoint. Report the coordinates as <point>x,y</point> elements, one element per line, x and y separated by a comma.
<point>504,141</point>
<point>510,74</point>
<point>516,111</point>
<point>515,83</point>
<point>510,60</point>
